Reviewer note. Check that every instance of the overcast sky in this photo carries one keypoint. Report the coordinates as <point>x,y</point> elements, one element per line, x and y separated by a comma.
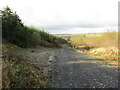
<point>67,16</point>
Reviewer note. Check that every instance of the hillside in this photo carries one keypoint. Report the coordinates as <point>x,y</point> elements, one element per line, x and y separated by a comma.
<point>98,45</point>
<point>15,32</point>
<point>21,71</point>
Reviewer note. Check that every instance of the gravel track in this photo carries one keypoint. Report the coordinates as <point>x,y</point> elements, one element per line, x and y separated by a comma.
<point>70,69</point>
<point>75,70</point>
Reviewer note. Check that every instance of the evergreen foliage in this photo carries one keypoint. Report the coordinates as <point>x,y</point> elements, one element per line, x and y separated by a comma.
<point>15,32</point>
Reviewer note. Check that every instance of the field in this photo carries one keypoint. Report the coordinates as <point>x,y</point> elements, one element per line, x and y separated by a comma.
<point>98,45</point>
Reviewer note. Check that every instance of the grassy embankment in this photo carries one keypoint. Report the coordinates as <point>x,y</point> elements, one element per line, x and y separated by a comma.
<point>17,73</point>
<point>98,45</point>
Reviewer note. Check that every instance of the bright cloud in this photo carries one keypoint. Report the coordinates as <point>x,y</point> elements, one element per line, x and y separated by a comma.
<point>65,16</point>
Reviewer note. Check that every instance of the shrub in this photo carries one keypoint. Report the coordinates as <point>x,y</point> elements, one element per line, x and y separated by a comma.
<point>15,32</point>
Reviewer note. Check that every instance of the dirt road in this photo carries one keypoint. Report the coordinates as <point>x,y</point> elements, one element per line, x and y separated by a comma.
<point>75,70</point>
<point>70,69</point>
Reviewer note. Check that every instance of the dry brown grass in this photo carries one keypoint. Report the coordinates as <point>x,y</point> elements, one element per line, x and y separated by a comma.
<point>20,72</point>
<point>104,46</point>
<point>105,40</point>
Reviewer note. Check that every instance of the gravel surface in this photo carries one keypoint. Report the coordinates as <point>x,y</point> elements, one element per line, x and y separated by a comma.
<point>75,70</point>
<point>70,69</point>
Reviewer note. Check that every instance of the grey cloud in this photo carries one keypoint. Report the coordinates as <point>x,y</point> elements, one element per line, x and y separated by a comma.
<point>66,27</point>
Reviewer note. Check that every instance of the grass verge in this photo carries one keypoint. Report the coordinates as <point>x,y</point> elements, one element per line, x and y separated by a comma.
<point>18,72</point>
<point>109,55</point>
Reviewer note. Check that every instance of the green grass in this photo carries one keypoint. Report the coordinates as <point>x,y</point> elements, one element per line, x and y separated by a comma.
<point>93,34</point>
<point>18,72</point>
<point>15,32</point>
<point>101,45</point>
<point>76,41</point>
<point>95,39</point>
